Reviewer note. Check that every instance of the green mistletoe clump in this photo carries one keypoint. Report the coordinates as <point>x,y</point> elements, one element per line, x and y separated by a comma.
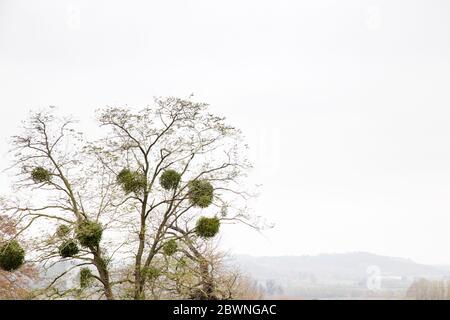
<point>170,179</point>
<point>151,273</point>
<point>200,193</point>
<point>85,277</point>
<point>131,181</point>
<point>207,227</point>
<point>170,247</point>
<point>89,234</point>
<point>68,249</point>
<point>40,175</point>
<point>12,256</point>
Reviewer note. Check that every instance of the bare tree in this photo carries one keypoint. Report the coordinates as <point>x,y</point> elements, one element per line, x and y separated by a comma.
<point>54,195</point>
<point>169,167</point>
<point>207,274</point>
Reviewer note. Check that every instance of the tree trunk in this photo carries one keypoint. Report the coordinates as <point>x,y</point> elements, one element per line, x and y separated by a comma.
<point>207,280</point>
<point>104,275</point>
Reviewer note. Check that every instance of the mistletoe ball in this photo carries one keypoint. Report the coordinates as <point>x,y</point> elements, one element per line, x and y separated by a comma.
<point>170,247</point>
<point>170,179</point>
<point>131,181</point>
<point>207,227</point>
<point>89,234</point>
<point>12,256</point>
<point>200,193</point>
<point>41,175</point>
<point>68,249</point>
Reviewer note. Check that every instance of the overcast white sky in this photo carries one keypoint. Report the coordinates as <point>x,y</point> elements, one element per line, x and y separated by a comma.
<point>346,104</point>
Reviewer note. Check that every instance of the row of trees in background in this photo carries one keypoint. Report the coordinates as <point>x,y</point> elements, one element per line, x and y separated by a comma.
<point>424,289</point>
<point>135,211</point>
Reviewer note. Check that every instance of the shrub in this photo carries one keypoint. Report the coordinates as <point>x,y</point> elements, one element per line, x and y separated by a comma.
<point>207,227</point>
<point>12,256</point>
<point>170,179</point>
<point>40,175</point>
<point>89,234</point>
<point>200,193</point>
<point>68,249</point>
<point>131,181</point>
<point>170,247</point>
<point>62,231</point>
<point>85,277</point>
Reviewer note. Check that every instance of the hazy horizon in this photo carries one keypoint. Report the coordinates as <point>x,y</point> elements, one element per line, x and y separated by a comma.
<point>345,104</point>
<point>343,253</point>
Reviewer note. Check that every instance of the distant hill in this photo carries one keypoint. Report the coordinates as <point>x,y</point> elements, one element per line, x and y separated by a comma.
<point>335,275</point>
